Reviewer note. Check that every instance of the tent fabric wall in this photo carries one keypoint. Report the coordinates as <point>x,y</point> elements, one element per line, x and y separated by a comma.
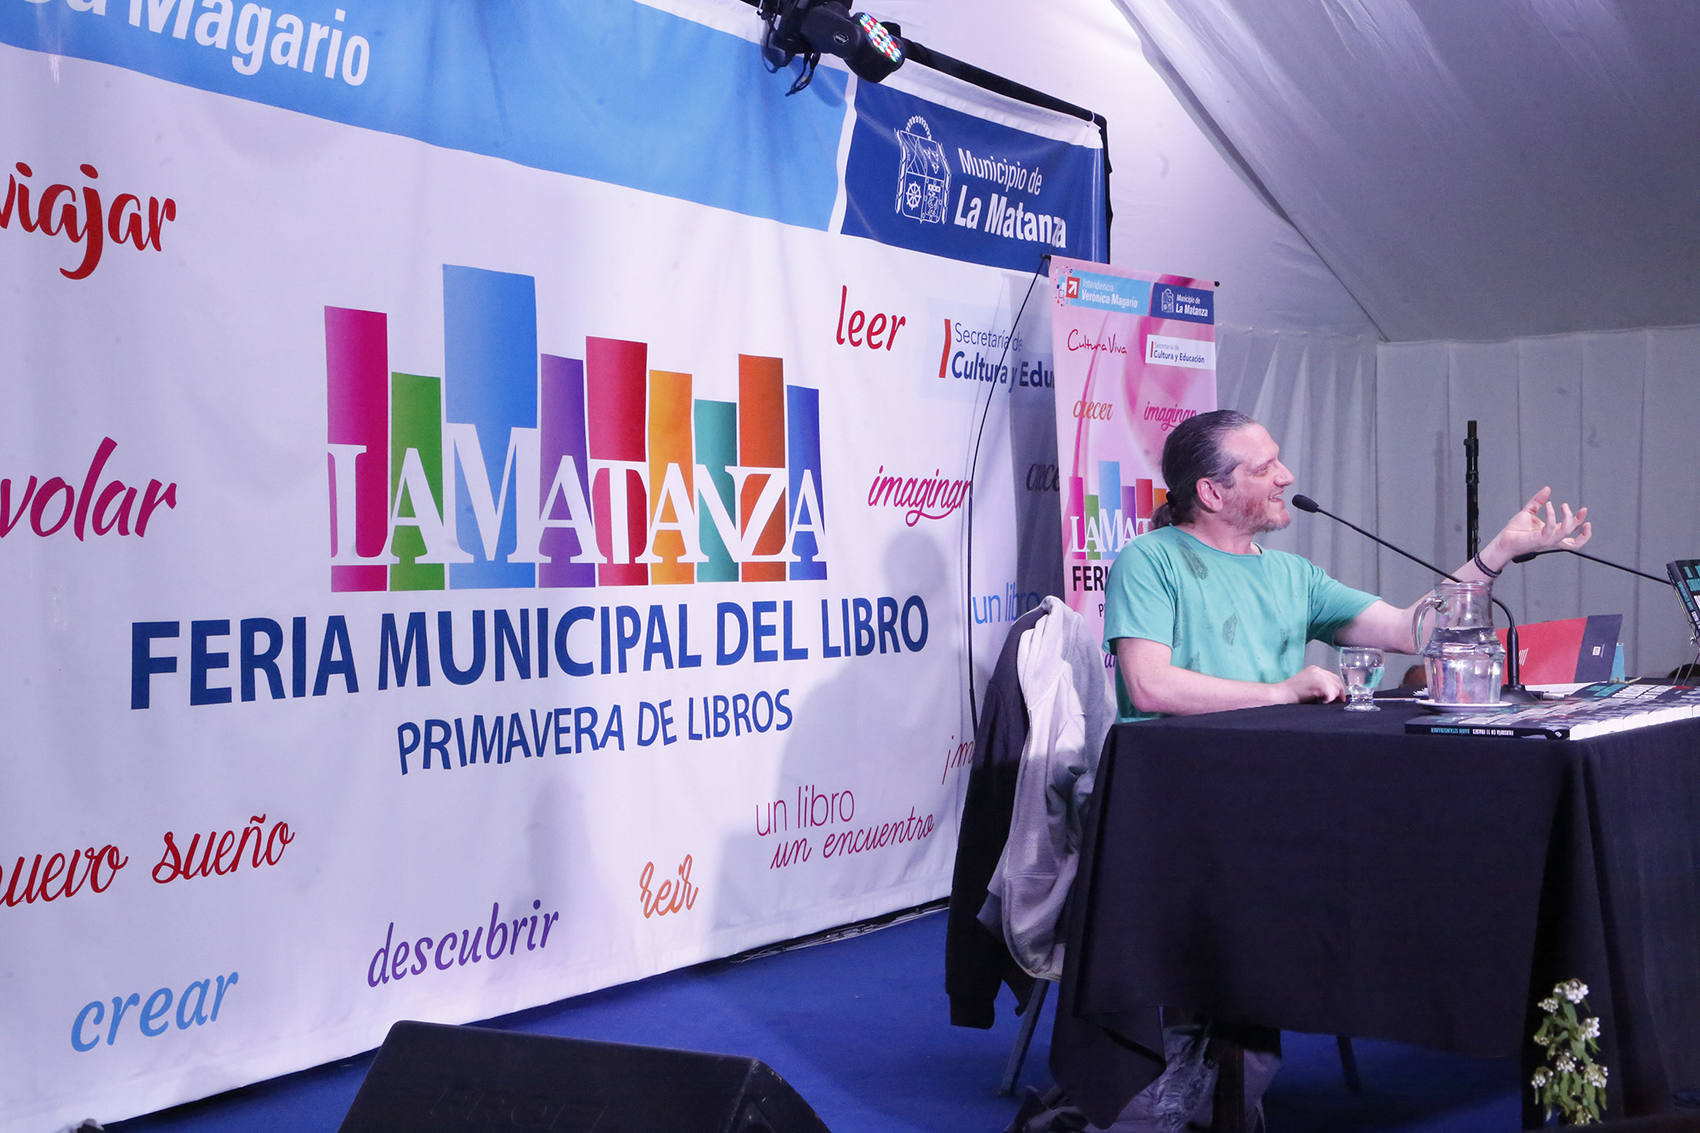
<point>1606,419</point>
<point>1315,394</point>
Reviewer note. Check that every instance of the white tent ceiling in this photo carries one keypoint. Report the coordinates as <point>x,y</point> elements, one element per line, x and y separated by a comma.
<point>1467,170</point>
<point>1180,206</point>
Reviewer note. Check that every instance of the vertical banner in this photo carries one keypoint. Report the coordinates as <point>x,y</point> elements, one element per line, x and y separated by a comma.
<point>1135,356</point>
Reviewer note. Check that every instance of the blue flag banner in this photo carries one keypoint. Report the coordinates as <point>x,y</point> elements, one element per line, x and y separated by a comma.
<point>924,176</point>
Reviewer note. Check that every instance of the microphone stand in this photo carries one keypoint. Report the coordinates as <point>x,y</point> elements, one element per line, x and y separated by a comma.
<point>1514,689</point>
<point>1526,556</point>
<point>1472,478</point>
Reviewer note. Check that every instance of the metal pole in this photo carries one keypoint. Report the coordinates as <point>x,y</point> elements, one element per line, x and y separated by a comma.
<point>1472,533</point>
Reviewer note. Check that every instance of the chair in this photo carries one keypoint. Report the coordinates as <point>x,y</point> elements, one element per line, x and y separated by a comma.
<point>1030,1012</point>
<point>978,959</point>
<point>977,963</point>
<point>1066,708</point>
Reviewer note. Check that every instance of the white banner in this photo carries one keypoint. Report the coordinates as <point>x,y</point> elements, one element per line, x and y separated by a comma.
<point>438,581</point>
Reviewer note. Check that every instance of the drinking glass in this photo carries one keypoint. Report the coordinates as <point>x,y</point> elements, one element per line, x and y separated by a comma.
<point>1360,670</point>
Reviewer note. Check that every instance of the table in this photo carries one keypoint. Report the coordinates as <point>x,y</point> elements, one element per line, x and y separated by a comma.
<point>1316,870</point>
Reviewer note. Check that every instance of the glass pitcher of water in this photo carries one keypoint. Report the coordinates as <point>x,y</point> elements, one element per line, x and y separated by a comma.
<point>1463,658</point>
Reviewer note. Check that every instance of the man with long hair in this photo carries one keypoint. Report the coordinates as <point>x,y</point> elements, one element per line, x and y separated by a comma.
<point>1202,618</point>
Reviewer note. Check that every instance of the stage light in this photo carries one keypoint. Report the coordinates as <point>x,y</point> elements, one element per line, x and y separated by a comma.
<point>807,29</point>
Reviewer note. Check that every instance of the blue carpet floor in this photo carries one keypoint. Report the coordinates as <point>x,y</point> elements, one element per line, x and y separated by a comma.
<point>859,1027</point>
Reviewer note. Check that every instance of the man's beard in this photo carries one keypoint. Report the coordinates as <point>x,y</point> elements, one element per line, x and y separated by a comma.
<point>1251,515</point>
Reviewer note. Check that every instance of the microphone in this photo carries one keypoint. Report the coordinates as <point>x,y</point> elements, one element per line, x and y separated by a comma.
<point>1513,670</point>
<point>1528,555</point>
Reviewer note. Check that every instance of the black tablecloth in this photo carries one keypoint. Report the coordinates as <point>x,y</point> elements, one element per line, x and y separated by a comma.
<point>1319,870</point>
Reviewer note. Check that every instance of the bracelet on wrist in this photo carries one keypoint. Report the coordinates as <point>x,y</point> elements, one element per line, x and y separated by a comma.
<point>1483,567</point>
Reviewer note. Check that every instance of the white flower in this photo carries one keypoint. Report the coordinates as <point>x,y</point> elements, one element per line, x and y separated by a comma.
<point>1559,1035</point>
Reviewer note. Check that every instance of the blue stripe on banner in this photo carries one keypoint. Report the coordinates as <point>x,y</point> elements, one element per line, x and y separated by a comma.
<point>490,382</point>
<point>1110,498</point>
<point>605,89</point>
<point>802,450</point>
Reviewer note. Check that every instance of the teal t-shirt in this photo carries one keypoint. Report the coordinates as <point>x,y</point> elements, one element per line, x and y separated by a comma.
<point>1243,617</point>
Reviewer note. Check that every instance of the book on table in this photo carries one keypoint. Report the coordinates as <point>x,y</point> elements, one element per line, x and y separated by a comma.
<point>1593,710</point>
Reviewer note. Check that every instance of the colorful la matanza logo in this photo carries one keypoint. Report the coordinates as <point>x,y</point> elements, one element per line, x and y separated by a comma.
<point>1103,517</point>
<point>521,469</point>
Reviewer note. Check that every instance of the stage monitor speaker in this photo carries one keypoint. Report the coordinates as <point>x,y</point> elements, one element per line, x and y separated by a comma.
<point>429,1077</point>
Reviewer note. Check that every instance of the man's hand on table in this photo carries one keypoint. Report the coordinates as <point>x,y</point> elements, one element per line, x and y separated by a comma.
<point>1313,684</point>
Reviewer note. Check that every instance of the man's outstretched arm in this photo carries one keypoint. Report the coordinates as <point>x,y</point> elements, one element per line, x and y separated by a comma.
<point>1537,526</point>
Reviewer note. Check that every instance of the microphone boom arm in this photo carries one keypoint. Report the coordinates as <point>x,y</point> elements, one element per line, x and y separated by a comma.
<point>1526,556</point>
